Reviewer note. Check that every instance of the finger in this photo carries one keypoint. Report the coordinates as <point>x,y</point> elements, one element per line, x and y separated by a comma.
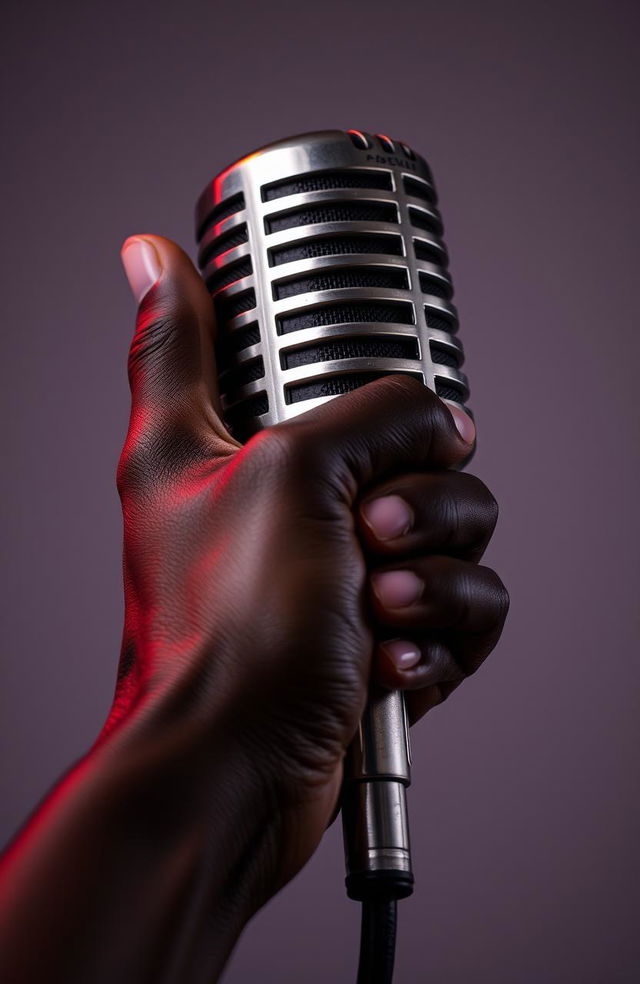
<point>427,671</point>
<point>444,512</point>
<point>171,360</point>
<point>465,602</point>
<point>439,592</point>
<point>392,424</point>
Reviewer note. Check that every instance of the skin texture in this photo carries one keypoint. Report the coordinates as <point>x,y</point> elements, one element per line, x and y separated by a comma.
<point>255,619</point>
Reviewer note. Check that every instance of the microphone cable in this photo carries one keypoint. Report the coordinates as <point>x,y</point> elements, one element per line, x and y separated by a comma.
<point>377,940</point>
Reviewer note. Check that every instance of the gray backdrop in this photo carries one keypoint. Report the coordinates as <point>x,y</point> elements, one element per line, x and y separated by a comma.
<point>524,808</point>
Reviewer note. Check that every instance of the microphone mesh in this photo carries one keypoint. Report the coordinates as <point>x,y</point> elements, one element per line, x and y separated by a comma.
<point>338,212</point>
<point>231,307</point>
<point>223,243</point>
<point>326,180</point>
<point>229,274</point>
<point>443,356</point>
<point>336,314</point>
<point>222,211</point>
<point>325,260</point>
<point>376,347</point>
<point>434,252</point>
<point>331,386</point>
<point>336,279</point>
<point>337,246</point>
<point>417,189</point>
<point>236,341</point>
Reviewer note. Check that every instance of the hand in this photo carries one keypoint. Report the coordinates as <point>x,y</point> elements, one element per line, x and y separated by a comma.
<point>268,582</point>
<point>265,585</point>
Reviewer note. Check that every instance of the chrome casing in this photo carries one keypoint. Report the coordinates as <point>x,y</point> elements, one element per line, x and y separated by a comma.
<point>314,153</point>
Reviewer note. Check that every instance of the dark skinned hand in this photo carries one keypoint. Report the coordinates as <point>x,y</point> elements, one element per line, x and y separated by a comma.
<point>265,585</point>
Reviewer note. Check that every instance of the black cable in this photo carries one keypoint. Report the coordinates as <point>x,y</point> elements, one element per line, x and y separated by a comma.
<point>377,941</point>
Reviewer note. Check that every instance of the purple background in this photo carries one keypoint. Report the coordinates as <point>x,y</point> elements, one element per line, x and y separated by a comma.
<point>525,807</point>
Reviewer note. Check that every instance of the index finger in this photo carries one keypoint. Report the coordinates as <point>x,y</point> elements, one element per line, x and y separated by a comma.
<point>391,424</point>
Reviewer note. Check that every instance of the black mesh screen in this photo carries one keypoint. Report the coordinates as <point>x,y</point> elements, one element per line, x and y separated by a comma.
<point>235,237</point>
<point>438,322</point>
<point>229,274</point>
<point>222,211</point>
<point>241,375</point>
<point>333,212</point>
<point>418,190</point>
<point>434,286</point>
<point>332,385</point>
<point>336,246</point>
<point>238,339</point>
<point>427,251</point>
<point>230,307</point>
<point>395,279</point>
<point>444,356</point>
<point>240,417</point>
<point>424,220</point>
<point>371,347</point>
<point>446,391</point>
<point>326,180</point>
<point>335,314</point>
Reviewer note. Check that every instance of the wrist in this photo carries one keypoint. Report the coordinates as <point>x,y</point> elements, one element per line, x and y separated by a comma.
<point>184,776</point>
<point>152,853</point>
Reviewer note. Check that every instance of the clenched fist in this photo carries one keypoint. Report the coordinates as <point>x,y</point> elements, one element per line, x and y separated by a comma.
<point>265,586</point>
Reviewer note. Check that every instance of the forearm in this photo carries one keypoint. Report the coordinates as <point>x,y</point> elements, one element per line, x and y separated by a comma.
<point>142,865</point>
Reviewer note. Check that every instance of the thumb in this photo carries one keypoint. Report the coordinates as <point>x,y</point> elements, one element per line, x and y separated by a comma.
<point>172,370</point>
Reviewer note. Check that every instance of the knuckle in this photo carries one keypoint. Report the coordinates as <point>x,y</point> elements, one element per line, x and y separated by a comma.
<point>504,602</point>
<point>481,492</point>
<point>404,384</point>
<point>485,507</point>
<point>157,347</point>
<point>409,396</point>
<point>271,451</point>
<point>417,394</point>
<point>451,518</point>
<point>153,336</point>
<point>266,462</point>
<point>289,450</point>
<point>500,597</point>
<point>300,460</point>
<point>449,588</point>
<point>490,506</point>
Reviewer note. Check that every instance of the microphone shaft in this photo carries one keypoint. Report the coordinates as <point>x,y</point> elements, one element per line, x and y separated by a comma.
<point>374,803</point>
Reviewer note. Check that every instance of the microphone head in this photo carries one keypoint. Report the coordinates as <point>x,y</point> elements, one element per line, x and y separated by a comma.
<point>324,256</point>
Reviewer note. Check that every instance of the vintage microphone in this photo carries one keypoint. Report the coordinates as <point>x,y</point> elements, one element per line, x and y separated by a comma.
<point>324,257</point>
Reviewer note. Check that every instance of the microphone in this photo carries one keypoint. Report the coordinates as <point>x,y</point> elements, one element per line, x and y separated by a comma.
<point>324,256</point>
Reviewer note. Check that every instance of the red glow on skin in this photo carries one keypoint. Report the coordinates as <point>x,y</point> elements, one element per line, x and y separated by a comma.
<point>44,818</point>
<point>161,656</point>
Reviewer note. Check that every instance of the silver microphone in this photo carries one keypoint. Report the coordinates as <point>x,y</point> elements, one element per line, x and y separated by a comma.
<point>324,257</point>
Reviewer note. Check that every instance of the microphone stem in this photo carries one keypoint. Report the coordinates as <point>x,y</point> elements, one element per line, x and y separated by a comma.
<point>374,802</point>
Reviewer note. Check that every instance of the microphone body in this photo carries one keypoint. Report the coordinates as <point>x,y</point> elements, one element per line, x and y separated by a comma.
<point>324,257</point>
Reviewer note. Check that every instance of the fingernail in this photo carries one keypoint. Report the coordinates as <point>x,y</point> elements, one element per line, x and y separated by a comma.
<point>388,517</point>
<point>397,589</point>
<point>464,423</point>
<point>403,653</point>
<point>141,265</point>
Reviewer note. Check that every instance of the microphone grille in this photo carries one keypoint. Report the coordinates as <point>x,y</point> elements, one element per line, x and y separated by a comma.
<point>325,259</point>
